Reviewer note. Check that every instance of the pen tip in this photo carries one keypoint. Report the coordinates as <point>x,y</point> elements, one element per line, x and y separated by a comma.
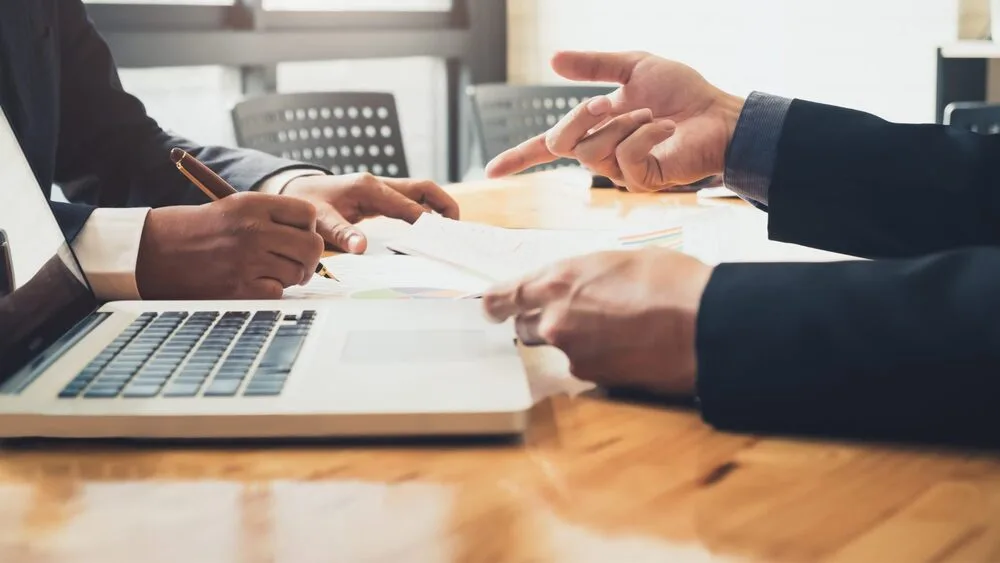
<point>177,155</point>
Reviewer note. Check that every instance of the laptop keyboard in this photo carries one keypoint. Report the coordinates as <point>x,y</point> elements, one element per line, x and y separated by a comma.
<point>207,353</point>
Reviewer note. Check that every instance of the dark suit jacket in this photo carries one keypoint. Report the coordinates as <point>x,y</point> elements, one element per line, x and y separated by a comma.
<point>904,347</point>
<point>60,90</point>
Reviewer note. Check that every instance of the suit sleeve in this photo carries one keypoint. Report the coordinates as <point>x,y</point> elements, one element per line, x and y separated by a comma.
<point>852,183</point>
<point>905,347</point>
<point>893,349</point>
<point>71,218</point>
<point>106,133</point>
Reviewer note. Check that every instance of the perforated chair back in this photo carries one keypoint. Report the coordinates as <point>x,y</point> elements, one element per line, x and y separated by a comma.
<point>507,115</point>
<point>978,117</point>
<point>344,132</point>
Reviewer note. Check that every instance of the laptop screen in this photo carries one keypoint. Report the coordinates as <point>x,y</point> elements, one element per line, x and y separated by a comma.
<point>43,292</point>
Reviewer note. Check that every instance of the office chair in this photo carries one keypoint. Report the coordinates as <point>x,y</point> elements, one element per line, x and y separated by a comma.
<point>978,117</point>
<point>507,115</point>
<point>344,132</point>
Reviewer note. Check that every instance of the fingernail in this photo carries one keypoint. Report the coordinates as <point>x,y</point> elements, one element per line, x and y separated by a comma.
<point>599,105</point>
<point>354,242</point>
<point>645,116</point>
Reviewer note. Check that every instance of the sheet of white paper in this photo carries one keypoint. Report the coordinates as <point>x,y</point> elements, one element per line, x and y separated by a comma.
<point>719,192</point>
<point>389,277</point>
<point>495,253</point>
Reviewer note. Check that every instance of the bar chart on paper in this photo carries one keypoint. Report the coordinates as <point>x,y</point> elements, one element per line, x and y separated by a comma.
<point>672,238</point>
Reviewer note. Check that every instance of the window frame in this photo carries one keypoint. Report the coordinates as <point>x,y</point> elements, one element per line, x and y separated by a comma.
<point>471,38</point>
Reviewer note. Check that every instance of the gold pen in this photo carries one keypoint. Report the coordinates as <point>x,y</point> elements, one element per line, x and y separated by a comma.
<point>215,187</point>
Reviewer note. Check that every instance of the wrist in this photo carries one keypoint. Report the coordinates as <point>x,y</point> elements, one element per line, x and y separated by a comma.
<point>730,107</point>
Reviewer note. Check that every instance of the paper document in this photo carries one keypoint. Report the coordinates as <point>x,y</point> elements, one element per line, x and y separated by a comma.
<point>389,277</point>
<point>720,192</point>
<point>496,253</point>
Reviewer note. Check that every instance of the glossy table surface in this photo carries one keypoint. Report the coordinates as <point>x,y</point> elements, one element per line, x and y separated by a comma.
<point>593,480</point>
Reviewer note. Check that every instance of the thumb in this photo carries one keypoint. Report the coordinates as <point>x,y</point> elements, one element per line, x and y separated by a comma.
<point>340,233</point>
<point>595,66</point>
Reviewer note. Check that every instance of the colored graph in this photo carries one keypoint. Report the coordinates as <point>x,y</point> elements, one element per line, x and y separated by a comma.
<point>409,293</point>
<point>664,238</point>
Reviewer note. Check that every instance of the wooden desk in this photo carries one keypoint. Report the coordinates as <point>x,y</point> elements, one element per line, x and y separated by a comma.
<point>594,480</point>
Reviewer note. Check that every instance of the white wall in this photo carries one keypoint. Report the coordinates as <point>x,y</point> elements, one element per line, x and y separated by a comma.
<point>875,55</point>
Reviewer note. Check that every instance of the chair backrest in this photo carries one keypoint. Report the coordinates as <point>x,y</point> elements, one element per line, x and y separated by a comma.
<point>978,117</point>
<point>507,115</point>
<point>345,132</point>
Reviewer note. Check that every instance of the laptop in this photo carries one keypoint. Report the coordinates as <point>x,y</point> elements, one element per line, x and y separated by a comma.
<point>73,368</point>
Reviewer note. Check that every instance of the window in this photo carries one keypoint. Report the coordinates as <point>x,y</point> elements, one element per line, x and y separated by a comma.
<point>360,5</point>
<point>191,2</point>
<point>193,101</point>
<point>191,61</point>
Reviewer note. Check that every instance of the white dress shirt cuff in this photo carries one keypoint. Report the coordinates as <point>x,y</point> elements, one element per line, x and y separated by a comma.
<point>277,183</point>
<point>108,249</point>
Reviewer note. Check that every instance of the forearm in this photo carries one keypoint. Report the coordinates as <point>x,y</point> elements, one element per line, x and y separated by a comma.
<point>904,349</point>
<point>852,183</point>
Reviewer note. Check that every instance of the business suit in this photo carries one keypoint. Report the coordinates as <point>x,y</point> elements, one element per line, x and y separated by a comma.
<point>905,347</point>
<point>61,92</point>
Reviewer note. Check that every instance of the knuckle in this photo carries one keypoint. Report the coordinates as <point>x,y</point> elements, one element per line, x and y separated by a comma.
<point>558,282</point>
<point>319,245</point>
<point>554,143</point>
<point>249,227</point>
<point>552,328</point>
<point>306,209</point>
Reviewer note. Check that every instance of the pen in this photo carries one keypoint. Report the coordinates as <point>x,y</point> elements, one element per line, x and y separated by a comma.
<point>6,266</point>
<point>214,186</point>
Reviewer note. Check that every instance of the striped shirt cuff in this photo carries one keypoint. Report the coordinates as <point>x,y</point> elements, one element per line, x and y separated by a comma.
<point>754,148</point>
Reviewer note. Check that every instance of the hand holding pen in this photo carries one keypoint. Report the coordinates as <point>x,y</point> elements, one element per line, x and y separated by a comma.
<point>214,186</point>
<point>246,245</point>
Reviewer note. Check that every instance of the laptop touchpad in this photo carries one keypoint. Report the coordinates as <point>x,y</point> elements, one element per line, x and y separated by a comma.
<point>424,346</point>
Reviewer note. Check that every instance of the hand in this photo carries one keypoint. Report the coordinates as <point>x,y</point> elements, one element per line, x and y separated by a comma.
<point>624,319</point>
<point>342,201</point>
<point>246,246</point>
<point>665,127</point>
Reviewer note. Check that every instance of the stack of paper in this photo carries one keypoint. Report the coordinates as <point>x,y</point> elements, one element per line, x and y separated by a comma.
<point>390,277</point>
<point>495,253</point>
<point>446,259</point>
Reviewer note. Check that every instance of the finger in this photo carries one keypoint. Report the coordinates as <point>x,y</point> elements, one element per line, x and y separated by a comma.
<point>523,296</point>
<point>602,143</point>
<point>427,194</point>
<point>641,169</point>
<point>522,157</point>
<point>526,327</point>
<point>275,267</point>
<point>383,200</point>
<point>596,66</point>
<point>339,233</point>
<point>609,169</point>
<point>302,247</point>
<point>262,288</point>
<point>571,129</point>
<point>292,212</point>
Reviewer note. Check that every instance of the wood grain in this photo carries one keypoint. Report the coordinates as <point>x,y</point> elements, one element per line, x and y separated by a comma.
<point>593,480</point>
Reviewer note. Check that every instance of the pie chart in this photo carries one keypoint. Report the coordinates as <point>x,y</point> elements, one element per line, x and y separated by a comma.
<point>409,293</point>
